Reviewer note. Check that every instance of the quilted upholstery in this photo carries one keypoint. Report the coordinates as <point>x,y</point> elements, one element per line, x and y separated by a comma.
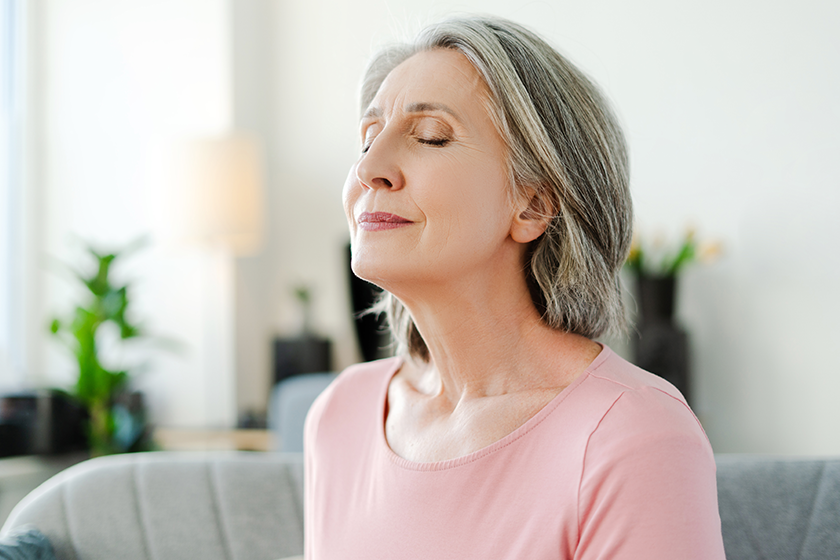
<point>155,506</point>
<point>779,509</point>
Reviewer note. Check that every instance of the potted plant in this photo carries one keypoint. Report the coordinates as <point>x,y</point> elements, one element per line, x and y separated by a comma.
<point>116,420</point>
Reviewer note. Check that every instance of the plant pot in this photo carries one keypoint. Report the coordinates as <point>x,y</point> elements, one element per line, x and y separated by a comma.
<point>118,425</point>
<point>660,346</point>
<point>656,298</point>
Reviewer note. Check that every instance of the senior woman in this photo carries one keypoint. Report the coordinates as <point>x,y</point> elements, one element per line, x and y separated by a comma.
<point>491,202</point>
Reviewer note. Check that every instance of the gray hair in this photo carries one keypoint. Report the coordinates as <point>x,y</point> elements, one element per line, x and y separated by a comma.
<point>566,153</point>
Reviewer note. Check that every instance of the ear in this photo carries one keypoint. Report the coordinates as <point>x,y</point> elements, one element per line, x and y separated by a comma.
<point>531,219</point>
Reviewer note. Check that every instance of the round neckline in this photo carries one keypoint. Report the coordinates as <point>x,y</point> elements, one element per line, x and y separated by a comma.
<point>510,438</point>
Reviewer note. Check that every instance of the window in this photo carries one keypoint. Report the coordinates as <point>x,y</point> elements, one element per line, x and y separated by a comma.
<point>11,111</point>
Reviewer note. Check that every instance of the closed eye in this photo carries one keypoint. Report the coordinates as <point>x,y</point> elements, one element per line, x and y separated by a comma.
<point>434,141</point>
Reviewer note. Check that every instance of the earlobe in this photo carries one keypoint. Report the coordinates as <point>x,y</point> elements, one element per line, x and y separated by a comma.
<point>530,221</point>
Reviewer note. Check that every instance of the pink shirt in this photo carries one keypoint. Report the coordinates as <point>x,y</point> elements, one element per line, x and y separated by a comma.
<point>616,467</point>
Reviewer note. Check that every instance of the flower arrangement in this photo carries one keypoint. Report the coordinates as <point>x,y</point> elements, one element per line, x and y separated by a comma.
<point>658,259</point>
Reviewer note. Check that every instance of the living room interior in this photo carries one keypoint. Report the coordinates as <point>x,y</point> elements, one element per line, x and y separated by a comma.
<point>730,111</point>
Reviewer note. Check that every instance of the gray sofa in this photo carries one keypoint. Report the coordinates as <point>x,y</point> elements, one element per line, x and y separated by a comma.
<point>779,509</point>
<point>248,506</point>
<point>288,405</point>
<point>167,506</point>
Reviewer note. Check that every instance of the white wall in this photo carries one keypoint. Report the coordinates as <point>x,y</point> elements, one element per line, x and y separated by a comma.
<point>122,82</point>
<point>729,107</point>
<point>731,112</point>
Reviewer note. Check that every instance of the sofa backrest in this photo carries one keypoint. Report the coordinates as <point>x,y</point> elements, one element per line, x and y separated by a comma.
<point>219,506</point>
<point>779,509</point>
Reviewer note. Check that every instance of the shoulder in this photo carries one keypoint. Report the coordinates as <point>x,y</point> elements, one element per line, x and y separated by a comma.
<point>643,430</point>
<point>352,395</point>
<point>637,400</point>
<point>648,472</point>
<point>611,368</point>
<point>646,438</point>
<point>361,381</point>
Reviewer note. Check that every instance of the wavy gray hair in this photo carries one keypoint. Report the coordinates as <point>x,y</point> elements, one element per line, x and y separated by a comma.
<point>565,151</point>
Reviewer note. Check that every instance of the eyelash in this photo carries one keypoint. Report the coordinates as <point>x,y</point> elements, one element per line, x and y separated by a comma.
<point>437,142</point>
<point>434,141</point>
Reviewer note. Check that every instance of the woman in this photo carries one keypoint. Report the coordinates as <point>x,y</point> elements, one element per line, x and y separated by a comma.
<point>490,201</point>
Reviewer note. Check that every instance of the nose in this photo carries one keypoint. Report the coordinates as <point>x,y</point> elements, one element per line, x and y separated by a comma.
<point>380,165</point>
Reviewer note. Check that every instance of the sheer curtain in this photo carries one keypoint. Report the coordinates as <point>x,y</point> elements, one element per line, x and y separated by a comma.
<point>11,128</point>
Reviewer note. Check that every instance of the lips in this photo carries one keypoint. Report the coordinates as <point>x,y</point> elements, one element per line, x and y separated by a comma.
<point>377,221</point>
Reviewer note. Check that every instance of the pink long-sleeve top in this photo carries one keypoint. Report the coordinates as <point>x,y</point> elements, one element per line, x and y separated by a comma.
<point>615,467</point>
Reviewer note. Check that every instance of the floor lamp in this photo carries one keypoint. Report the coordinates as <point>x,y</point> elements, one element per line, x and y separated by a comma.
<point>223,212</point>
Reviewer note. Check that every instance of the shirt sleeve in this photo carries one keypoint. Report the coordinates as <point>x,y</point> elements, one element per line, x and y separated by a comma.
<point>648,488</point>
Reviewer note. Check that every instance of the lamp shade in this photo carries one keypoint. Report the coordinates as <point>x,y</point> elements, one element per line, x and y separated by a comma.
<point>221,179</point>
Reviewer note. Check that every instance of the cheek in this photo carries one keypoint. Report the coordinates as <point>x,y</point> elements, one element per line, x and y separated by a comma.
<point>349,195</point>
<point>469,197</point>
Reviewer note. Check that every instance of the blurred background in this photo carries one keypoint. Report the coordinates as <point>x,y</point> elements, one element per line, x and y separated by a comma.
<point>730,109</point>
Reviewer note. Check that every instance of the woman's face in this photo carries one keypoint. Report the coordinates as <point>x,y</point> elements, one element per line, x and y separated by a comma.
<point>428,200</point>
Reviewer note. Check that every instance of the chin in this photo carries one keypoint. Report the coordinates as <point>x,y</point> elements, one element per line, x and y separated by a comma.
<point>381,276</point>
<point>369,267</point>
<point>383,271</point>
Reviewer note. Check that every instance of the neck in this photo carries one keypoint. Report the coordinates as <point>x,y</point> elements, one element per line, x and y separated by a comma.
<point>486,338</point>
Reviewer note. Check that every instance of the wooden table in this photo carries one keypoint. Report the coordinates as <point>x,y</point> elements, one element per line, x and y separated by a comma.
<point>188,439</point>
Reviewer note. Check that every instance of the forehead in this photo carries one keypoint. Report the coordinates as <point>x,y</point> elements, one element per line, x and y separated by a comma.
<point>442,76</point>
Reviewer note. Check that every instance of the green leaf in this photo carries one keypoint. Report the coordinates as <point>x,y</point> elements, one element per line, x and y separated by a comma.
<point>685,256</point>
<point>96,386</point>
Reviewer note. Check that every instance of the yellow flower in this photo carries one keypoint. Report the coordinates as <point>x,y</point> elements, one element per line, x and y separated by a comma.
<point>709,251</point>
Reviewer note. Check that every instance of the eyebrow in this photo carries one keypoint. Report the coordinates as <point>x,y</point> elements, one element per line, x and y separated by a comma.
<point>430,107</point>
<point>420,107</point>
